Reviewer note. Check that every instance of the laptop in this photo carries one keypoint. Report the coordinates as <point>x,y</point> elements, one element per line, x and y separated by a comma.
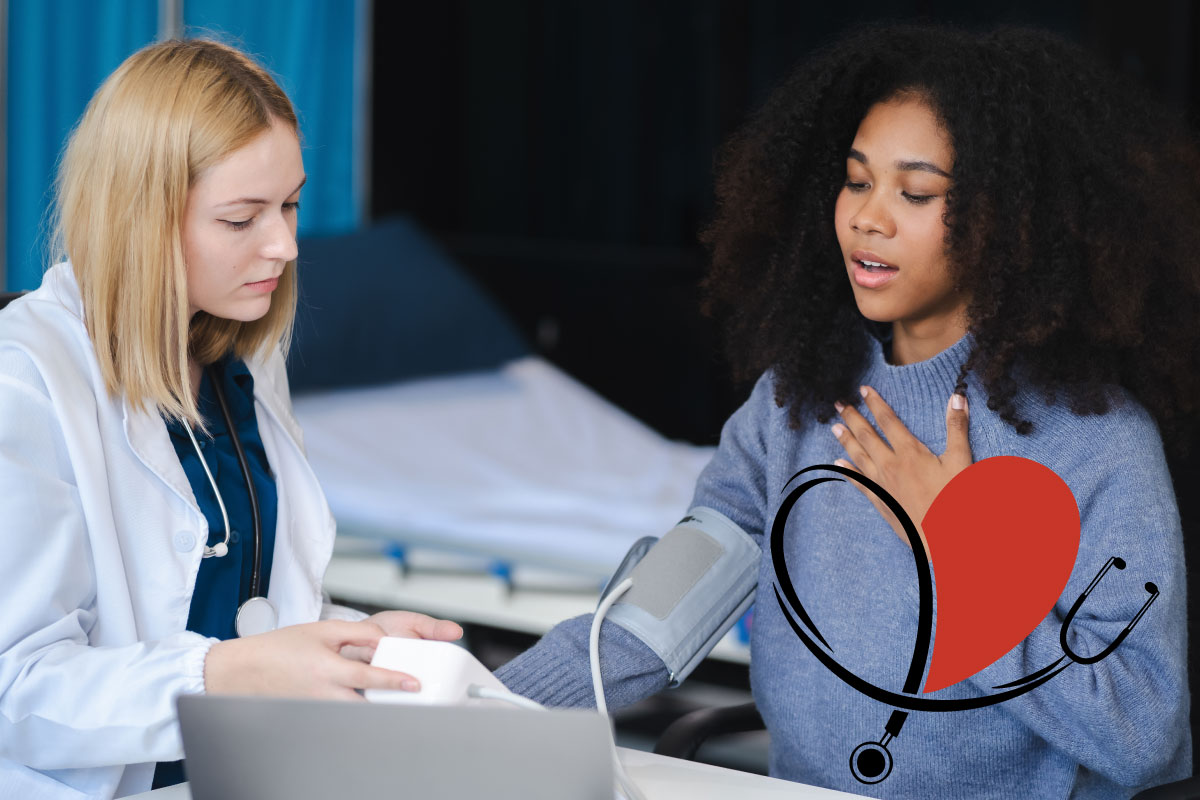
<point>283,749</point>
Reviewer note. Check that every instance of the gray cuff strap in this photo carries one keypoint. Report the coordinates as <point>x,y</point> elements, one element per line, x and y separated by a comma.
<point>690,589</point>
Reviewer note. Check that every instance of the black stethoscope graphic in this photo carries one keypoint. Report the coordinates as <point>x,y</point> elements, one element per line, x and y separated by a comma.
<point>255,614</point>
<point>871,761</point>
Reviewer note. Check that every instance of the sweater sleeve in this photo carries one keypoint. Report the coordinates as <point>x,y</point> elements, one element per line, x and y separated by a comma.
<point>556,671</point>
<point>1126,716</point>
<point>735,481</point>
<point>63,702</point>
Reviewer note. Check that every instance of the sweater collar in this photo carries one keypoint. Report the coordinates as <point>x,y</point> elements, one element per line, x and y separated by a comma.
<point>924,382</point>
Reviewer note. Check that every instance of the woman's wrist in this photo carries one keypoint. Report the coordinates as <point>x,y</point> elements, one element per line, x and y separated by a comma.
<point>216,667</point>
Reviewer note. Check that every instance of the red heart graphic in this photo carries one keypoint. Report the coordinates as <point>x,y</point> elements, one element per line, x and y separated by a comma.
<point>1002,536</point>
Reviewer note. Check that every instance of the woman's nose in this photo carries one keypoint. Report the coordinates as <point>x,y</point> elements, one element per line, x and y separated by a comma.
<point>873,216</point>
<point>280,242</point>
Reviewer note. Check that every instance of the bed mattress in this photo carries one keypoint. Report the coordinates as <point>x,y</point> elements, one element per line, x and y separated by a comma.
<point>522,464</point>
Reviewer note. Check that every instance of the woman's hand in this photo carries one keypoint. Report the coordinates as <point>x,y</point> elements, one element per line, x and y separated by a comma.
<point>301,661</point>
<point>411,625</point>
<point>908,470</point>
<point>408,625</point>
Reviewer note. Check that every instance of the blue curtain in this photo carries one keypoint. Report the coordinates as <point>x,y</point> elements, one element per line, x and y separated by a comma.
<point>58,53</point>
<point>309,46</point>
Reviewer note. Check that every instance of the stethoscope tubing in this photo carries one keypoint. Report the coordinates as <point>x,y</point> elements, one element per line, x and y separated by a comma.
<point>216,377</point>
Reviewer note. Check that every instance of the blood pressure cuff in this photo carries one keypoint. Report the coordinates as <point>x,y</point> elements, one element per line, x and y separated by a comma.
<point>689,589</point>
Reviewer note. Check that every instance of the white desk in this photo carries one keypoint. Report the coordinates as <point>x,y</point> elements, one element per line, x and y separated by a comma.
<point>472,598</point>
<point>662,778</point>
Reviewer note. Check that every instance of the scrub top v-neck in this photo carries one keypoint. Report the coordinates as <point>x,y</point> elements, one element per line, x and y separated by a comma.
<point>223,583</point>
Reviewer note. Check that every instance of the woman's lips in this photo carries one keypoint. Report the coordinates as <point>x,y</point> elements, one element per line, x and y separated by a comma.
<point>870,271</point>
<point>264,286</point>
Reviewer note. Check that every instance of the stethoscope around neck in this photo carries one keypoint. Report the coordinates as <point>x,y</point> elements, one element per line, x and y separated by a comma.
<point>256,614</point>
<point>871,761</point>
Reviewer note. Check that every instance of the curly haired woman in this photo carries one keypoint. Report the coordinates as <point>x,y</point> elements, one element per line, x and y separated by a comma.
<point>951,247</point>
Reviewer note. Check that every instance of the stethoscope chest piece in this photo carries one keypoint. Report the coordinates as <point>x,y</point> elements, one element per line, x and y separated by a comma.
<point>256,616</point>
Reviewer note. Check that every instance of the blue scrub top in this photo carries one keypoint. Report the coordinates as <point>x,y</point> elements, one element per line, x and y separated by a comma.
<point>223,584</point>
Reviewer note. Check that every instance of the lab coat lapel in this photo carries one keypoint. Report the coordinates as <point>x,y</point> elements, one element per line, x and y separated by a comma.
<point>145,432</point>
<point>148,439</point>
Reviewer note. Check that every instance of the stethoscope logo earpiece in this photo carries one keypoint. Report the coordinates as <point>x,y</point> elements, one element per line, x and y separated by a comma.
<point>871,762</point>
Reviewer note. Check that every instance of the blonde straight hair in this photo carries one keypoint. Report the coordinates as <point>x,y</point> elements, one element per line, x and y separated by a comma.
<point>169,112</point>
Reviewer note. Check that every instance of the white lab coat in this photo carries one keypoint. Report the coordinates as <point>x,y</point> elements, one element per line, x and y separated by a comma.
<point>101,540</point>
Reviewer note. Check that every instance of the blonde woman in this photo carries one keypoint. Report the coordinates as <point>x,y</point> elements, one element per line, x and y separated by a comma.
<point>162,531</point>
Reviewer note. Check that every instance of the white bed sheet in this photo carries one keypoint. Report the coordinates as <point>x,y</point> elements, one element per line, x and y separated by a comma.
<point>523,464</point>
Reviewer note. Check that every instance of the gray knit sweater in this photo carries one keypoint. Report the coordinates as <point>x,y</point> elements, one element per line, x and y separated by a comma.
<point>1093,731</point>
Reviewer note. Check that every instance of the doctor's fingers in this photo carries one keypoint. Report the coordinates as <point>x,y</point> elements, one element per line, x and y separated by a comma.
<point>336,634</point>
<point>357,675</point>
<point>412,625</point>
<point>353,639</point>
<point>357,653</point>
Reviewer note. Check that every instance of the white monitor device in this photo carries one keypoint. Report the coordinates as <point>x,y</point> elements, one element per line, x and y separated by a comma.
<point>445,670</point>
<point>281,749</point>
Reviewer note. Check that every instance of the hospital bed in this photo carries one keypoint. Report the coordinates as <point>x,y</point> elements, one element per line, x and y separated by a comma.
<point>433,427</point>
<point>518,465</point>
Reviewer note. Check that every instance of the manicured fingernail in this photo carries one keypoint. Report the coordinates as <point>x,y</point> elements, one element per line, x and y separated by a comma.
<point>838,430</point>
<point>840,408</point>
<point>842,463</point>
<point>958,402</point>
<point>863,391</point>
<point>410,685</point>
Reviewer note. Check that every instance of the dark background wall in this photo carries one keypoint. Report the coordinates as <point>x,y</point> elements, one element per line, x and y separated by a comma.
<point>563,151</point>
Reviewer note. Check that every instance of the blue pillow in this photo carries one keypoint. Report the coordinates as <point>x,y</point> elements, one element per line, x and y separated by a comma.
<point>384,304</point>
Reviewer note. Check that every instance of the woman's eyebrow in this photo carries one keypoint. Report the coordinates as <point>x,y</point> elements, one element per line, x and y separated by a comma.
<point>903,166</point>
<point>256,201</point>
<point>921,166</point>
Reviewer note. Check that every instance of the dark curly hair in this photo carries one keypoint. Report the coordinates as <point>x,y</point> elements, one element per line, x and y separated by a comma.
<point>1073,217</point>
